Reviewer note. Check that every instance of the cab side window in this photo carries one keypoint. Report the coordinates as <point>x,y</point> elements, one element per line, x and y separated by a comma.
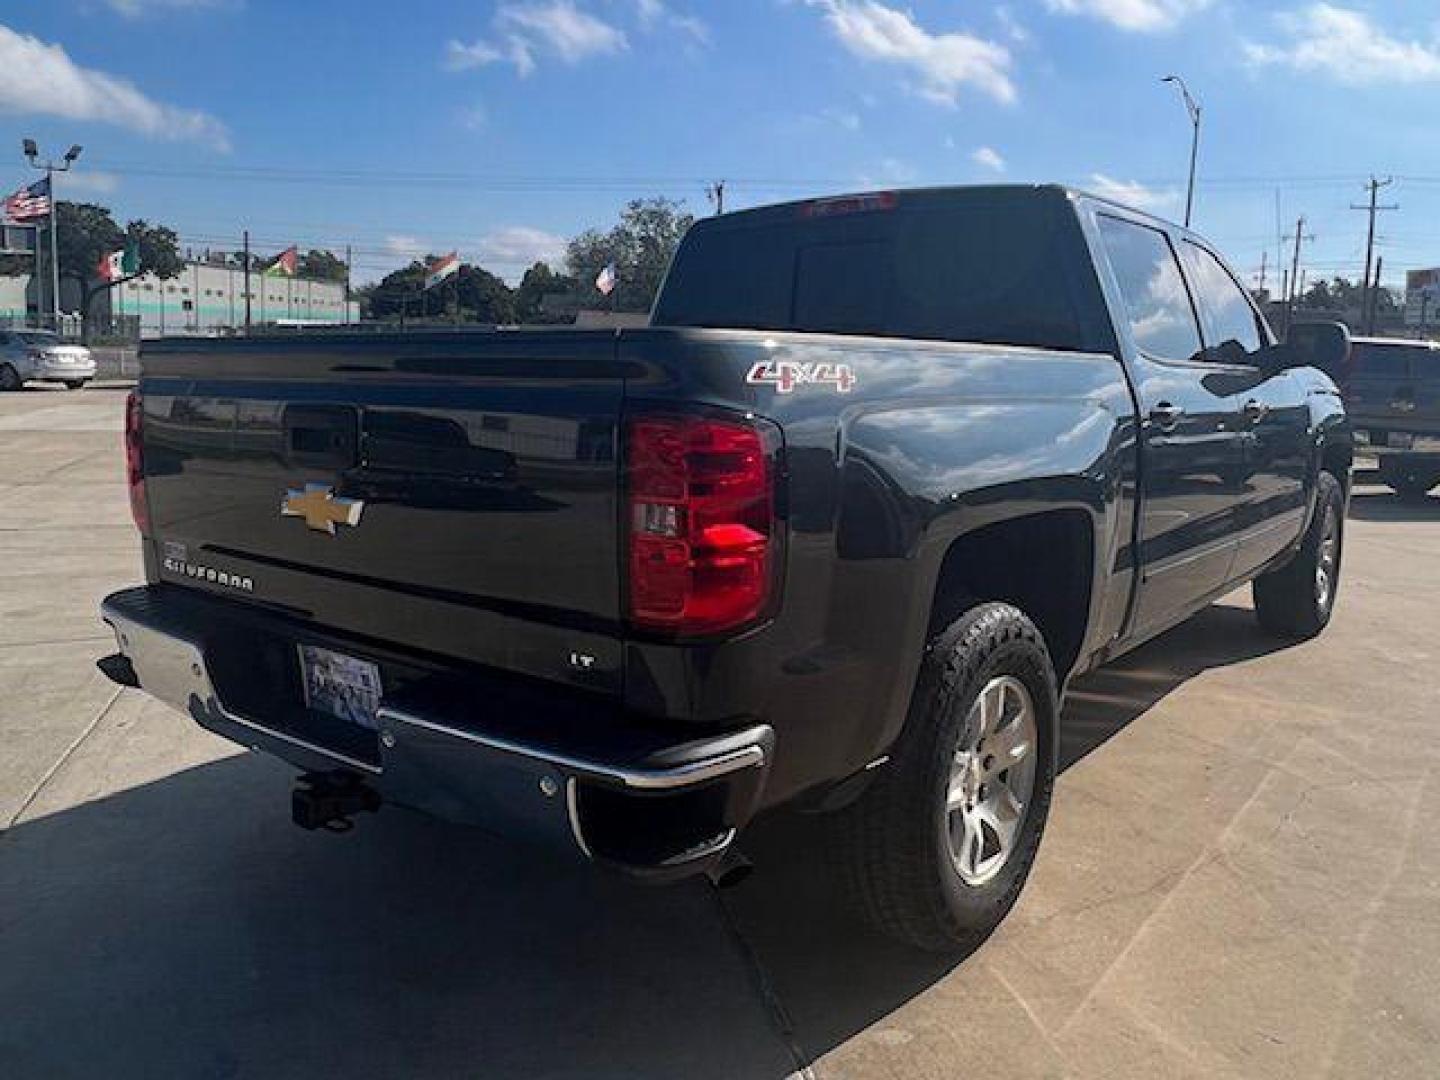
<point>1232,329</point>
<point>1157,303</point>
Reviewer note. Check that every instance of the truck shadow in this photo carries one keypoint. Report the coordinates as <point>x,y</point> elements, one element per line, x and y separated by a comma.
<point>185,928</point>
<point>1381,504</point>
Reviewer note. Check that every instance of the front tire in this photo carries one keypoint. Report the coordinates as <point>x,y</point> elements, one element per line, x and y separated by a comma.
<point>939,847</point>
<point>1297,600</point>
<point>10,378</point>
<point>75,384</point>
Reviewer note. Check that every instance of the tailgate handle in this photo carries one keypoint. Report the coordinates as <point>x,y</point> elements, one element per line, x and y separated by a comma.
<point>326,436</point>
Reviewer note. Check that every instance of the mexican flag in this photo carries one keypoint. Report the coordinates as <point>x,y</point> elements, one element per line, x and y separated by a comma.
<point>285,263</point>
<point>441,269</point>
<point>119,264</point>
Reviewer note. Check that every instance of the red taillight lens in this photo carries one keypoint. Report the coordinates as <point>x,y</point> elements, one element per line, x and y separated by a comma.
<point>135,462</point>
<point>702,532</point>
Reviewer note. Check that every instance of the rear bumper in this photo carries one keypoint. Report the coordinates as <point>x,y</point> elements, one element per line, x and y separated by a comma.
<point>646,803</point>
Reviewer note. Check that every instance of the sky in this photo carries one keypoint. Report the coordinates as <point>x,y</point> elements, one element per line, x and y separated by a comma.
<point>501,127</point>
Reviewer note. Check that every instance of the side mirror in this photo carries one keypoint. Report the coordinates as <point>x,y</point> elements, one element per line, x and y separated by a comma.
<point>1325,345</point>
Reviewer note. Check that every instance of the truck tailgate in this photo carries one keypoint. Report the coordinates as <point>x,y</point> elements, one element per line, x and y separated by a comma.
<point>448,492</point>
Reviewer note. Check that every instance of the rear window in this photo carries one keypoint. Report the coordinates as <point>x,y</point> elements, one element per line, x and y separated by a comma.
<point>1381,361</point>
<point>988,272</point>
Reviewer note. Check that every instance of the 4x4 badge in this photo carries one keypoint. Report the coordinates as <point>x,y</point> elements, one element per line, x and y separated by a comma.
<point>322,511</point>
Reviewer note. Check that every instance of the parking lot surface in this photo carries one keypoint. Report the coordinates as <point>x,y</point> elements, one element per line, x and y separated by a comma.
<point>1241,876</point>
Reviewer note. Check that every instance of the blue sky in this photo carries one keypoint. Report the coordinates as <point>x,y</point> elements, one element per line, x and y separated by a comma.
<point>502,127</point>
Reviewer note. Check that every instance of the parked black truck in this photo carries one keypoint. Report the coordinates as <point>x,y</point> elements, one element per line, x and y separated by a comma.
<point>834,532</point>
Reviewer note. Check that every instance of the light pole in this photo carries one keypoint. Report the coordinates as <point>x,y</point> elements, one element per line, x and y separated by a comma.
<point>49,168</point>
<point>1194,110</point>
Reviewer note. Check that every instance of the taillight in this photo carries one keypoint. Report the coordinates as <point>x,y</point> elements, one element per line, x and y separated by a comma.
<point>135,462</point>
<point>703,544</point>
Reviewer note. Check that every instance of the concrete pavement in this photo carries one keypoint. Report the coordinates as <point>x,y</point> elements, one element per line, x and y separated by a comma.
<point>1239,877</point>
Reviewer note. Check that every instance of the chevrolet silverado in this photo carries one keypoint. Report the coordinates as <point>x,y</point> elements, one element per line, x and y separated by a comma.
<point>835,531</point>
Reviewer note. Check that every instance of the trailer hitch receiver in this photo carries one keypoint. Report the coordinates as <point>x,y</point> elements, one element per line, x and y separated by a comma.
<point>331,801</point>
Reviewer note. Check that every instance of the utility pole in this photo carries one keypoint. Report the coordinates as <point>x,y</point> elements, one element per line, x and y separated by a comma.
<point>1294,280</point>
<point>1367,303</point>
<point>1264,265</point>
<point>716,194</point>
<point>49,168</point>
<point>1375,297</point>
<point>347,284</point>
<point>246,257</point>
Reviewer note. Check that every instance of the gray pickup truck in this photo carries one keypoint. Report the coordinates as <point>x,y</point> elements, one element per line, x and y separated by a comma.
<point>833,533</point>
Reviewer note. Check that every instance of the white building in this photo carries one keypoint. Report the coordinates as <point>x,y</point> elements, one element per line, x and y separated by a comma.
<point>208,297</point>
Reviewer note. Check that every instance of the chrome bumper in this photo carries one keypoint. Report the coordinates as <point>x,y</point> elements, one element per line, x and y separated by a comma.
<point>438,764</point>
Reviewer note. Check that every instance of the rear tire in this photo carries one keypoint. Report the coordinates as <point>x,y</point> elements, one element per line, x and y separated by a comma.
<point>10,378</point>
<point>1411,483</point>
<point>938,848</point>
<point>1297,600</point>
<point>75,384</point>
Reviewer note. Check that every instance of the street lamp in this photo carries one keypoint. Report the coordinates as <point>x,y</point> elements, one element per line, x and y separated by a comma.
<point>50,168</point>
<point>1194,110</point>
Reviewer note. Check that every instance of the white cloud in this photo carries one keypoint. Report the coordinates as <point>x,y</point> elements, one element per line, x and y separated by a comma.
<point>1348,47</point>
<point>406,247</point>
<point>474,118</point>
<point>941,63</point>
<point>844,118</point>
<point>987,157</point>
<point>134,9</point>
<point>1133,193</point>
<point>1012,26</point>
<point>512,250</point>
<point>1146,16</point>
<point>656,15</point>
<point>86,182</point>
<point>40,79</point>
<point>548,27</point>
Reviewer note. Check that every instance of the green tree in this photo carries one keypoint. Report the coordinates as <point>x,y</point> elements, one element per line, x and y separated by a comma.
<point>86,231</point>
<point>323,266</point>
<point>640,245</point>
<point>545,296</point>
<point>482,296</point>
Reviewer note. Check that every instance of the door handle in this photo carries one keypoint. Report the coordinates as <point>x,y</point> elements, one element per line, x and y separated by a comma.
<point>1256,410</point>
<point>1166,416</point>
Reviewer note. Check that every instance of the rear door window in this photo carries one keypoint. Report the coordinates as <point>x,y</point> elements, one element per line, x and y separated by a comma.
<point>1157,303</point>
<point>1232,328</point>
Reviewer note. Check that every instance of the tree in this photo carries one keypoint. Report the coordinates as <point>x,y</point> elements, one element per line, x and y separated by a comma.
<point>545,296</point>
<point>640,245</point>
<point>86,232</point>
<point>323,266</point>
<point>482,296</point>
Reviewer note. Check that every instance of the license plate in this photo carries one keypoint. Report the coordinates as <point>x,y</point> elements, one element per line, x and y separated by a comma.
<point>340,685</point>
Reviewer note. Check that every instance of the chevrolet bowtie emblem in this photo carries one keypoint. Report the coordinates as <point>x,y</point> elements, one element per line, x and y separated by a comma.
<point>322,511</point>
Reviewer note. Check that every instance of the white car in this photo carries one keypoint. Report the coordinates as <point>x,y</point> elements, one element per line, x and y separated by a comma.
<point>39,355</point>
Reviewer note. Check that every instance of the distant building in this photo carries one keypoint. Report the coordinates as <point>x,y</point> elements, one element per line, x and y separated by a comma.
<point>209,297</point>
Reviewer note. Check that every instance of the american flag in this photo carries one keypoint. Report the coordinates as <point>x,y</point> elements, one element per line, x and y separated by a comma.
<point>29,203</point>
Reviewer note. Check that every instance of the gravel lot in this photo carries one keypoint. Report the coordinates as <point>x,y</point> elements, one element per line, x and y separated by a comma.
<point>1241,876</point>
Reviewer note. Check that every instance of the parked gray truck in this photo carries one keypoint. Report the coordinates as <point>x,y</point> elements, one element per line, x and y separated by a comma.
<point>885,473</point>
